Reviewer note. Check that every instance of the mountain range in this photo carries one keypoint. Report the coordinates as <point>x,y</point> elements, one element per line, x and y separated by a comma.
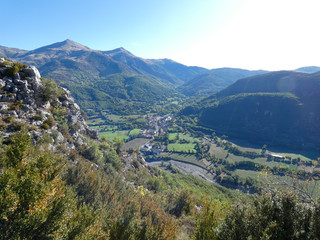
<point>99,79</point>
<point>121,82</point>
<point>279,108</point>
<point>54,59</point>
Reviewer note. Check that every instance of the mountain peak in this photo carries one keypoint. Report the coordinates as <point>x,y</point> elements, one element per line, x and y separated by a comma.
<point>66,45</point>
<point>117,51</point>
<point>69,44</point>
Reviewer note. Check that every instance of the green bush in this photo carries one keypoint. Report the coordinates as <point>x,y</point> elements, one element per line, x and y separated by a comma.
<point>59,113</point>
<point>9,119</point>
<point>34,201</point>
<point>15,68</point>
<point>275,215</point>
<point>50,121</point>
<point>50,90</point>
<point>3,125</point>
<point>37,117</point>
<point>45,126</point>
<point>17,126</point>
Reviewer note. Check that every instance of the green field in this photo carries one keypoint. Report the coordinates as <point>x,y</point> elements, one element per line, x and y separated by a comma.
<point>182,147</point>
<point>183,157</point>
<point>220,152</point>
<point>95,121</point>
<point>134,133</point>
<point>114,118</point>
<point>182,137</point>
<point>247,173</point>
<point>110,135</point>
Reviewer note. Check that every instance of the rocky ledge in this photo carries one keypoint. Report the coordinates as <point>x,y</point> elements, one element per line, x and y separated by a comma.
<point>39,105</point>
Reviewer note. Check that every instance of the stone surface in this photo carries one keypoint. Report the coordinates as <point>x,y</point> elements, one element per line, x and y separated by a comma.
<point>4,107</point>
<point>31,71</point>
<point>21,98</point>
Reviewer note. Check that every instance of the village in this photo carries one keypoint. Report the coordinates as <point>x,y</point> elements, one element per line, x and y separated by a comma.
<point>157,126</point>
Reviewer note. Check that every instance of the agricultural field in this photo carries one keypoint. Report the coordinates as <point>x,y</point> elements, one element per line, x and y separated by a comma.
<point>233,164</point>
<point>110,126</point>
<point>182,137</point>
<point>111,135</point>
<point>182,147</point>
<point>135,143</point>
<point>134,133</point>
<point>95,121</point>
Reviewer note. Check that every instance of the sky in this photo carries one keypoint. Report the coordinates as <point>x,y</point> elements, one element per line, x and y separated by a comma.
<point>249,34</point>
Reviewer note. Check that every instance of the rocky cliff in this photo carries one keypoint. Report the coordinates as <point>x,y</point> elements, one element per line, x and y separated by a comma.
<point>45,110</point>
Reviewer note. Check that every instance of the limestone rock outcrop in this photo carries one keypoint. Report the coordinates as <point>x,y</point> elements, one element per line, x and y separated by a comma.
<point>40,106</point>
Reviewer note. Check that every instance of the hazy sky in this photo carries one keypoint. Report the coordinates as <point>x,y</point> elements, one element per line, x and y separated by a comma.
<point>251,34</point>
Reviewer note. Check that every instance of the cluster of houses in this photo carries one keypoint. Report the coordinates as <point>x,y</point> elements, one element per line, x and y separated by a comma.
<point>157,126</point>
<point>151,148</point>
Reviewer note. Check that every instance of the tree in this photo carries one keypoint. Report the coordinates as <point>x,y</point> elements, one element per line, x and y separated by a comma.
<point>264,149</point>
<point>50,90</point>
<point>118,143</point>
<point>209,219</point>
<point>34,201</point>
<point>273,215</point>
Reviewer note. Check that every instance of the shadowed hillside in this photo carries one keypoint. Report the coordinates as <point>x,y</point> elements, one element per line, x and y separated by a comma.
<point>277,108</point>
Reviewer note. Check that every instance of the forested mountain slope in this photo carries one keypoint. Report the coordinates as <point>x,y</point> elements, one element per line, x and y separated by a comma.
<point>214,80</point>
<point>279,108</point>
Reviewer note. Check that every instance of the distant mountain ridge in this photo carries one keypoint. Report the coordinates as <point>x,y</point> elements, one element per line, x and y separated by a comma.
<point>99,79</point>
<point>310,69</point>
<point>69,54</point>
<point>113,80</point>
<point>215,80</point>
<point>136,82</point>
<point>277,108</point>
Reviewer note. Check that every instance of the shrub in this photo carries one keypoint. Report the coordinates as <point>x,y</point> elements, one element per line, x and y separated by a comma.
<point>37,117</point>
<point>50,90</point>
<point>113,158</point>
<point>9,119</point>
<point>182,204</point>
<point>15,68</point>
<point>16,105</point>
<point>45,126</point>
<point>59,113</point>
<point>17,126</point>
<point>34,201</point>
<point>50,121</point>
<point>275,215</point>
<point>3,125</point>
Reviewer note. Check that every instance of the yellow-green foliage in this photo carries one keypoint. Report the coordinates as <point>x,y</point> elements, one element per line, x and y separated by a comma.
<point>50,90</point>
<point>34,201</point>
<point>208,219</point>
<point>15,68</point>
<point>128,214</point>
<point>3,125</point>
<point>59,113</point>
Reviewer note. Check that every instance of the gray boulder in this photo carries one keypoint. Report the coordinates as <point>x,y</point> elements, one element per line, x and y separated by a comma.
<point>4,107</point>
<point>16,76</point>
<point>31,71</point>
<point>59,137</point>
<point>2,83</point>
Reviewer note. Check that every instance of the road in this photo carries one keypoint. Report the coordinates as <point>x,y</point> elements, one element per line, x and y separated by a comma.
<point>186,168</point>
